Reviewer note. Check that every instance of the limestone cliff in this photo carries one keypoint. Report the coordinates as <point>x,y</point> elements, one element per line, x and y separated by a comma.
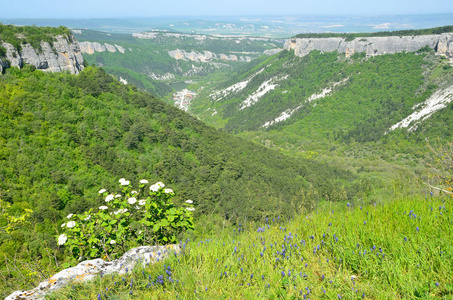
<point>63,55</point>
<point>441,43</point>
<point>92,47</point>
<point>206,56</point>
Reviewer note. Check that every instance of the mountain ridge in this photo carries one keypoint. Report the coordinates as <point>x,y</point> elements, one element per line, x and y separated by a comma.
<point>441,43</point>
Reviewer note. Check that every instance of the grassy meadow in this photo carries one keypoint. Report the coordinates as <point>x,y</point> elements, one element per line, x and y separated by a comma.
<point>398,249</point>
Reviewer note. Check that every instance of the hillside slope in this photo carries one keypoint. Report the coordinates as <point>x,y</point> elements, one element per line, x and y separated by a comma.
<point>326,95</point>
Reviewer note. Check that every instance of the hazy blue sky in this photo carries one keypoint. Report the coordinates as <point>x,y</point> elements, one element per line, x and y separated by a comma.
<point>152,8</point>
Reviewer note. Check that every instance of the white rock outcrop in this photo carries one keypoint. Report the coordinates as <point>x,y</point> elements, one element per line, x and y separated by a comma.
<point>440,99</point>
<point>192,56</point>
<point>63,55</point>
<point>92,47</point>
<point>89,269</point>
<point>206,56</point>
<point>272,51</point>
<point>441,43</point>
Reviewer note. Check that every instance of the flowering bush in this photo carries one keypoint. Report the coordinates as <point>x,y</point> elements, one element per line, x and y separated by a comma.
<point>123,222</point>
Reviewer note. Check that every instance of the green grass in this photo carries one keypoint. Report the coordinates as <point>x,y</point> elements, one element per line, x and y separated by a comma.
<point>401,252</point>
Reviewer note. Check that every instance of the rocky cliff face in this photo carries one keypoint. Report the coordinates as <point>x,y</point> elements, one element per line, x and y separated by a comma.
<point>441,43</point>
<point>63,55</point>
<point>206,56</point>
<point>92,47</point>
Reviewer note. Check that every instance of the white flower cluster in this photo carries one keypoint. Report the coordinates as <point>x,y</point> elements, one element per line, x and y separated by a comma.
<point>144,181</point>
<point>103,207</point>
<point>69,216</point>
<point>157,186</point>
<point>62,239</point>
<point>71,224</point>
<point>109,198</point>
<point>102,191</point>
<point>190,208</point>
<point>131,201</point>
<point>124,181</point>
<point>120,211</point>
<point>142,202</point>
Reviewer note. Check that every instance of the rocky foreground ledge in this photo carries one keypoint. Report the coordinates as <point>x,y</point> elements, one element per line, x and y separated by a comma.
<point>89,269</point>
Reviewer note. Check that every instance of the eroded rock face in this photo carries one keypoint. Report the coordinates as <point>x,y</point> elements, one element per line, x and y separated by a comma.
<point>192,56</point>
<point>120,49</point>
<point>92,47</point>
<point>3,64</point>
<point>89,269</point>
<point>63,55</point>
<point>110,48</point>
<point>272,51</point>
<point>441,43</point>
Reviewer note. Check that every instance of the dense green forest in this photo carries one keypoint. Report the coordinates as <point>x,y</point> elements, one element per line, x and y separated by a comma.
<point>18,35</point>
<point>366,95</point>
<point>379,91</point>
<point>351,36</point>
<point>64,137</point>
<point>348,127</point>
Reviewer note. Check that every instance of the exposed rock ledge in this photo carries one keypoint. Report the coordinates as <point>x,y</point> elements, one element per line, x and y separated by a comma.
<point>92,47</point>
<point>89,269</point>
<point>63,55</point>
<point>206,56</point>
<point>441,43</point>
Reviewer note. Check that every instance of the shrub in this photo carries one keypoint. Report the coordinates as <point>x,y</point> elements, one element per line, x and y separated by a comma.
<point>123,222</point>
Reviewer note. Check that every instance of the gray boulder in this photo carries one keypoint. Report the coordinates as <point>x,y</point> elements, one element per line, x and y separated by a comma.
<point>89,269</point>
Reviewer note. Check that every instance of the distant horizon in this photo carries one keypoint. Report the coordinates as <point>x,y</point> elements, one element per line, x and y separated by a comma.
<point>227,16</point>
<point>84,9</point>
<point>277,26</point>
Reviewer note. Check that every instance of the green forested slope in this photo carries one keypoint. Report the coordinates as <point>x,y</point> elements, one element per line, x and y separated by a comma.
<point>376,93</point>
<point>64,137</point>
<point>349,127</point>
